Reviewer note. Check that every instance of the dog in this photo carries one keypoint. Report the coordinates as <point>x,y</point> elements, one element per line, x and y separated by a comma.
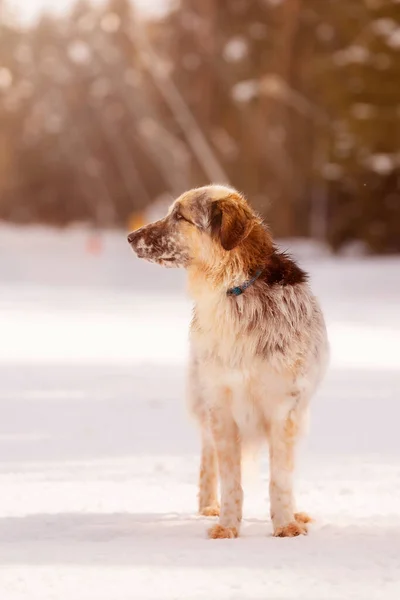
<point>258,346</point>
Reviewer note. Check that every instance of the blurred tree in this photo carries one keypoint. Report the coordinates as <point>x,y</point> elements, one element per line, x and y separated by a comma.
<point>294,102</point>
<point>227,57</point>
<point>356,68</point>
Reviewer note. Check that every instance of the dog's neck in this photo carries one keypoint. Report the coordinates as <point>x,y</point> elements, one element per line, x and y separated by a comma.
<point>238,290</point>
<point>240,269</point>
<point>224,270</point>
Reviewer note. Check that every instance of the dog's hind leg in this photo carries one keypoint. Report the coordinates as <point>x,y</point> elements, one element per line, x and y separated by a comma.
<point>208,480</point>
<point>282,441</point>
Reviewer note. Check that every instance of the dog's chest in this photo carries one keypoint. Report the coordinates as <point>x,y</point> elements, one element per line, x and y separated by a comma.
<point>221,335</point>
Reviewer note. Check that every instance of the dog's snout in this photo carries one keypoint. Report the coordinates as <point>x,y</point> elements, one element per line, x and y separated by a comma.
<point>132,236</point>
<point>135,239</point>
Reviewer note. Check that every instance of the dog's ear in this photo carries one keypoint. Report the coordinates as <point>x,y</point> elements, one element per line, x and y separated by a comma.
<point>230,222</point>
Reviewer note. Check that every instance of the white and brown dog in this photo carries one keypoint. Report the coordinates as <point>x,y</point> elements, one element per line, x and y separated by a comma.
<point>258,346</point>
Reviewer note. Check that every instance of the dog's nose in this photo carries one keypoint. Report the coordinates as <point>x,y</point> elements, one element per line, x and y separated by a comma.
<point>131,237</point>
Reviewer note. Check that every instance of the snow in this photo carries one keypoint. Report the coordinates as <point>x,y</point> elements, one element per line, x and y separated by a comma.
<point>245,90</point>
<point>29,11</point>
<point>235,49</point>
<point>79,52</point>
<point>98,458</point>
<point>394,39</point>
<point>389,29</point>
<point>382,163</point>
<point>351,55</point>
<point>384,26</point>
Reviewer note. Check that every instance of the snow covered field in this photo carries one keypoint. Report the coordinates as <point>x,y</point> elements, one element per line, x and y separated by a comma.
<point>98,459</point>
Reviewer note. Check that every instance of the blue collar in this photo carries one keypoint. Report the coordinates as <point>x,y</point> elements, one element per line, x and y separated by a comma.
<point>239,289</point>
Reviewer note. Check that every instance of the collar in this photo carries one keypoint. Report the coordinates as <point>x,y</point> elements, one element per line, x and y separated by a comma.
<point>239,289</point>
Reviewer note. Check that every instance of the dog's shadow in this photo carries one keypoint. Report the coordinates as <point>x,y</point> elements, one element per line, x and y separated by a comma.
<point>161,539</point>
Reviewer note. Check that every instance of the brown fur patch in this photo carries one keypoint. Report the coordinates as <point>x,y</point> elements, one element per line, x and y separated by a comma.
<point>283,270</point>
<point>291,429</point>
<point>231,221</point>
<point>291,530</point>
<point>302,517</point>
<point>210,511</point>
<point>222,533</point>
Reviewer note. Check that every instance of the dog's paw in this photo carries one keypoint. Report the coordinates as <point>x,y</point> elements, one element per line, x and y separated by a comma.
<point>210,511</point>
<point>292,529</point>
<point>218,532</point>
<point>302,517</point>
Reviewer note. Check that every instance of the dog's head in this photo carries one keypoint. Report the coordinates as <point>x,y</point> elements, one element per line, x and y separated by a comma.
<point>200,223</point>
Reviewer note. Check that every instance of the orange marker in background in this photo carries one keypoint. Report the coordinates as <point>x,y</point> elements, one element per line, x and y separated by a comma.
<point>94,243</point>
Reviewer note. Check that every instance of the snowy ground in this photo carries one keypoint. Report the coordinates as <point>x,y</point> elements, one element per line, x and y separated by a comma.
<point>98,459</point>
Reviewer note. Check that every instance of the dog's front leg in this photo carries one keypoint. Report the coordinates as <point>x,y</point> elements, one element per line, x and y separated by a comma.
<point>227,444</point>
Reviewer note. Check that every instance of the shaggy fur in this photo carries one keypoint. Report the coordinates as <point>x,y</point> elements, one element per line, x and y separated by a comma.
<point>256,358</point>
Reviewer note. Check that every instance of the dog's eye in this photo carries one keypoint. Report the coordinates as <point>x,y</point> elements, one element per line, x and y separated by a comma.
<point>180,217</point>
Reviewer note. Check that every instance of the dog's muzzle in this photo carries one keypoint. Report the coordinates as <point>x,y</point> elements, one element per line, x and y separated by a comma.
<point>133,240</point>
<point>131,237</point>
